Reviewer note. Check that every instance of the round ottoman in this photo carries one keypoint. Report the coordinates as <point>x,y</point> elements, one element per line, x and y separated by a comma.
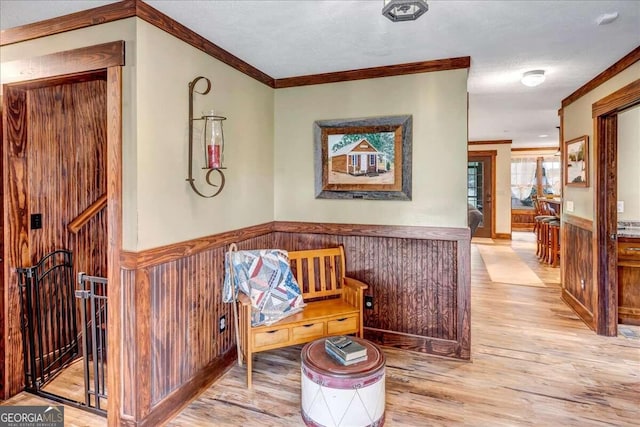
<point>338,395</point>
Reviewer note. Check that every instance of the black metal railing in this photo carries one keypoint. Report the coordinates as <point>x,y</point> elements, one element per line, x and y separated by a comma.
<point>93,316</point>
<point>48,318</point>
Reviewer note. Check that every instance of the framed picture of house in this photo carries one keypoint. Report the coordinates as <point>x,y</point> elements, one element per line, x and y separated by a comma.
<point>576,162</point>
<point>363,158</point>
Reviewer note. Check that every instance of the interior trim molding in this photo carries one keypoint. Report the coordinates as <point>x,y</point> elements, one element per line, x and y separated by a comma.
<point>127,9</point>
<point>130,8</point>
<point>618,100</point>
<point>73,21</point>
<point>396,231</point>
<point>503,236</point>
<point>150,257</point>
<point>375,72</point>
<point>583,313</point>
<point>487,142</point>
<point>176,29</point>
<point>621,65</point>
<point>184,396</point>
<point>131,260</point>
<point>81,60</point>
<point>535,149</point>
<point>585,224</point>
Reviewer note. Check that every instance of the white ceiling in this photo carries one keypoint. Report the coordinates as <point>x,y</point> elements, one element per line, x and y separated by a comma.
<point>286,38</point>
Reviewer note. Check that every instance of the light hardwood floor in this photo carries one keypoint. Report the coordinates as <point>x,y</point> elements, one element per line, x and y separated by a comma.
<point>533,363</point>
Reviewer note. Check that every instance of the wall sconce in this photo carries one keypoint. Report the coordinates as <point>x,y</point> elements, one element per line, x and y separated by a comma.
<point>213,143</point>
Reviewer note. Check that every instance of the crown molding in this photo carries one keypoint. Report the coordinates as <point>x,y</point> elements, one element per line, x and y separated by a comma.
<point>137,8</point>
<point>375,72</point>
<point>621,65</point>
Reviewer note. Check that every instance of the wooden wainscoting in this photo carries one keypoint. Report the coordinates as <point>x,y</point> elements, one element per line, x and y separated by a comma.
<point>418,278</point>
<point>172,347</point>
<point>522,219</point>
<point>577,259</point>
<point>172,301</point>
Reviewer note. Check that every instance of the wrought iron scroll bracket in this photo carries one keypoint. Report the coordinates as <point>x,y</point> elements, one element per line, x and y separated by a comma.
<point>210,172</point>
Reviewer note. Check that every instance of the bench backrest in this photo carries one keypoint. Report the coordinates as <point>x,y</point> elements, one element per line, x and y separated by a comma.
<point>319,272</point>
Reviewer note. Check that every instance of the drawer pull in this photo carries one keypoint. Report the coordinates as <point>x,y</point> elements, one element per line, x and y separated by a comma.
<point>342,320</point>
<point>632,249</point>
<point>271,332</point>
<point>309,325</point>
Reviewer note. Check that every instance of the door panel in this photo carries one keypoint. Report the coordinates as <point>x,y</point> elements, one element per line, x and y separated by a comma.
<point>479,191</point>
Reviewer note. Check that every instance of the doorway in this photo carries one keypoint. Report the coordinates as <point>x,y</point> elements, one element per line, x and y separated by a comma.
<point>481,188</point>
<point>605,114</point>
<point>57,165</point>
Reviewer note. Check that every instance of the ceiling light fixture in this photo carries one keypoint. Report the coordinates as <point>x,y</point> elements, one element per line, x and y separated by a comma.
<point>404,10</point>
<point>533,78</point>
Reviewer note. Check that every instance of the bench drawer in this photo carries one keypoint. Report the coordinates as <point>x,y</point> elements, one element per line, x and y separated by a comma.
<point>342,325</point>
<point>269,338</point>
<point>311,330</point>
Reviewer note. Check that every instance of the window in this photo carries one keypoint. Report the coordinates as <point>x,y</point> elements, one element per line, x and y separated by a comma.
<point>531,176</point>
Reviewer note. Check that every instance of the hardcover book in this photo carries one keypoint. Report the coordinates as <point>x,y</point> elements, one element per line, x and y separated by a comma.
<point>345,348</point>
<point>342,361</point>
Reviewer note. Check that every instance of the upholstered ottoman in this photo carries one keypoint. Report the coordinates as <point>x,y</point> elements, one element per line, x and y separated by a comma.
<point>338,395</point>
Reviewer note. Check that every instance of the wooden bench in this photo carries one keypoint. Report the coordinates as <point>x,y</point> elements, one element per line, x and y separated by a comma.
<point>333,306</point>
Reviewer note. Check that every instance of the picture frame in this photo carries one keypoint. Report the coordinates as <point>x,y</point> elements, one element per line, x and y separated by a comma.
<point>576,162</point>
<point>367,158</point>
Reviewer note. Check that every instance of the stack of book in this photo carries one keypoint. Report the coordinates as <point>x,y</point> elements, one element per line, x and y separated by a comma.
<point>344,350</point>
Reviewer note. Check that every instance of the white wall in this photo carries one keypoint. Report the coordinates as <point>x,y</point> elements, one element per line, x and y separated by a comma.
<point>438,103</point>
<point>578,121</point>
<point>503,184</point>
<point>168,209</point>
<point>629,163</point>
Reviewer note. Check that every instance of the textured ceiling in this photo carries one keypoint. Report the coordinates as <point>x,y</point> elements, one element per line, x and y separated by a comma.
<point>503,38</point>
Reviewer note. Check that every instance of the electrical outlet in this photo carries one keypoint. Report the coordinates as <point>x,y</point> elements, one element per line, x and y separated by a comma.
<point>620,206</point>
<point>569,206</point>
<point>368,302</point>
<point>582,283</point>
<point>222,323</point>
<point>36,221</point>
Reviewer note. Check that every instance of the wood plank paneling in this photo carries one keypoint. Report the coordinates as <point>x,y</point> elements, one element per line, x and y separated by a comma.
<point>79,176</point>
<point>414,284</point>
<point>577,257</point>
<point>16,232</point>
<point>172,310</point>
<point>522,219</point>
<point>129,322</point>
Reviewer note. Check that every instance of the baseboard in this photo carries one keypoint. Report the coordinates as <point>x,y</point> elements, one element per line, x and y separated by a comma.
<point>189,391</point>
<point>432,346</point>
<point>505,236</point>
<point>583,313</point>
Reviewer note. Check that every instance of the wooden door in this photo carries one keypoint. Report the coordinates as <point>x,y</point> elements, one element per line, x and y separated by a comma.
<point>480,170</point>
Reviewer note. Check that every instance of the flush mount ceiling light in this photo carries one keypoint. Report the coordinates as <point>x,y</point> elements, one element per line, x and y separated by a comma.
<point>533,78</point>
<point>404,10</point>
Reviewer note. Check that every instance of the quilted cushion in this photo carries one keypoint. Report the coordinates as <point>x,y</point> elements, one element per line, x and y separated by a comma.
<point>265,276</point>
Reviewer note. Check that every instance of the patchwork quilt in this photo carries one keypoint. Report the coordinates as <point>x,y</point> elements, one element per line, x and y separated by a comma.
<point>265,276</point>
